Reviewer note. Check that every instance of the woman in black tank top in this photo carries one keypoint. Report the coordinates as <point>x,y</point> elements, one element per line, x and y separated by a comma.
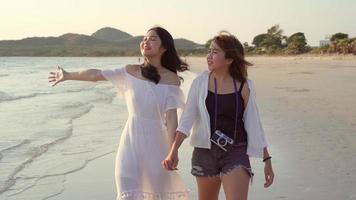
<point>226,162</point>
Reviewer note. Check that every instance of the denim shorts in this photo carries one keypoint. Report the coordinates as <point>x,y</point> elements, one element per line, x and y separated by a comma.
<point>217,162</point>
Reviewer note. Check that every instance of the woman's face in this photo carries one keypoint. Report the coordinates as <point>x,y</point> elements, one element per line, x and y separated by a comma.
<point>151,45</point>
<point>216,58</point>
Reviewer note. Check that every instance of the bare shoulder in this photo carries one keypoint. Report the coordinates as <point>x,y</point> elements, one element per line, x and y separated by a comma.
<point>133,69</point>
<point>170,78</point>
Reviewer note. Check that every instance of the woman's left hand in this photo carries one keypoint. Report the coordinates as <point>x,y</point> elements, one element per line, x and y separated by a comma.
<point>171,161</point>
<point>269,175</point>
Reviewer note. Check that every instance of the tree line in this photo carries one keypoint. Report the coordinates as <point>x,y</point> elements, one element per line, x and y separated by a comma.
<point>273,42</point>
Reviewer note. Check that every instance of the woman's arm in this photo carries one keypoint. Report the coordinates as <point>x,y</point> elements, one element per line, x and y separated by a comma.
<point>178,137</point>
<point>171,161</point>
<point>186,121</point>
<point>190,112</point>
<point>61,75</point>
<point>268,170</point>
<point>172,122</point>
<point>178,140</point>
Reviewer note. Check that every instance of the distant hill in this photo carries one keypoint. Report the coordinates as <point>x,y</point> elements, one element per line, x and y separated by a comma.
<point>66,39</point>
<point>131,43</point>
<point>104,42</point>
<point>78,39</point>
<point>111,34</point>
<point>182,43</point>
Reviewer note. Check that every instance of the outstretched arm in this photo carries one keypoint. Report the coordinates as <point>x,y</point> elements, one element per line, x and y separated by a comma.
<point>61,75</point>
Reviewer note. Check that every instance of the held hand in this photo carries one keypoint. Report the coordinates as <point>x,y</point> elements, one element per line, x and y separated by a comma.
<point>171,161</point>
<point>269,175</point>
<point>58,76</point>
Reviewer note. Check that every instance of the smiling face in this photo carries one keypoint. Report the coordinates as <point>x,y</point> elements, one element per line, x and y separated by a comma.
<point>151,45</point>
<point>216,57</point>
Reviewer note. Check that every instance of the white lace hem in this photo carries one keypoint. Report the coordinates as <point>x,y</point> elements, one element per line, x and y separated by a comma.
<point>138,195</point>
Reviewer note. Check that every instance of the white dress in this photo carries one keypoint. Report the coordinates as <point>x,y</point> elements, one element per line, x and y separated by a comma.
<point>145,142</point>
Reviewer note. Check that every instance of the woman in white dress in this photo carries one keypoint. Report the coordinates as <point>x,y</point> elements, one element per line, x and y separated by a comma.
<point>152,95</point>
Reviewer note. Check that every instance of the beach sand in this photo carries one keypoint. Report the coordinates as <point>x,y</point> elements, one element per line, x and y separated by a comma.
<point>308,109</point>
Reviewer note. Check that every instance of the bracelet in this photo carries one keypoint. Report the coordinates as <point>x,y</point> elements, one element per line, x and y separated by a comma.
<point>265,159</point>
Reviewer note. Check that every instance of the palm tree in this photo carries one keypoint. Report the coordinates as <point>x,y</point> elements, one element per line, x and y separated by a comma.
<point>273,40</point>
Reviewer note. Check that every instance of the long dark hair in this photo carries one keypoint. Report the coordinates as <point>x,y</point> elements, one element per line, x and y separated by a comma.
<point>233,50</point>
<point>169,60</point>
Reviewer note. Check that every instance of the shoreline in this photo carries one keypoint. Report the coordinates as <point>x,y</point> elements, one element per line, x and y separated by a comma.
<point>77,185</point>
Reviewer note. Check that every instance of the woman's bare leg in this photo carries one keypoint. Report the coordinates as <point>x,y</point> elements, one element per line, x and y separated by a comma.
<point>208,188</point>
<point>235,184</point>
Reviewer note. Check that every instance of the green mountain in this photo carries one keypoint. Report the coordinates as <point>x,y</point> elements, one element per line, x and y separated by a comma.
<point>131,43</point>
<point>104,42</point>
<point>185,44</point>
<point>111,34</point>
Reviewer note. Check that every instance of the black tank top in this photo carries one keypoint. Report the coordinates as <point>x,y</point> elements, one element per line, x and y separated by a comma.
<point>226,114</point>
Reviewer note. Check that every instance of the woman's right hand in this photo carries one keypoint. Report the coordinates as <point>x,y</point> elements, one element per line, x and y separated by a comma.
<point>58,76</point>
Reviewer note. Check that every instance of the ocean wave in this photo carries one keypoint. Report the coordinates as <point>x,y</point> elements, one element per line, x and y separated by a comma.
<point>36,152</point>
<point>3,75</point>
<point>6,97</point>
<point>73,105</point>
<point>76,153</point>
<point>86,108</point>
<point>78,89</point>
<point>69,171</point>
<point>23,142</point>
<point>105,97</point>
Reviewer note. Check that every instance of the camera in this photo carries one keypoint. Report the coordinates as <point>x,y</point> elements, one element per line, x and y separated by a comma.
<point>222,140</point>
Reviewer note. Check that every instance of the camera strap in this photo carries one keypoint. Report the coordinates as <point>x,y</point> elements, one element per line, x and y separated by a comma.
<point>216,105</point>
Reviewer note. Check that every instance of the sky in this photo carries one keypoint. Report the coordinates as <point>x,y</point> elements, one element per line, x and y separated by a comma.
<point>196,20</point>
